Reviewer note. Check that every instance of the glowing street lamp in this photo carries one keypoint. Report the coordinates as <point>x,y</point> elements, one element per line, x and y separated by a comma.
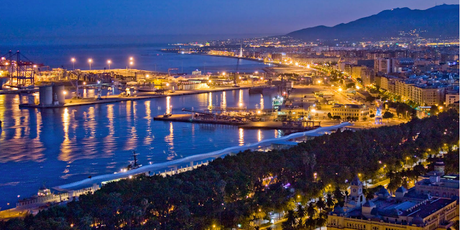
<point>130,62</point>
<point>90,61</point>
<point>73,62</point>
<point>109,62</point>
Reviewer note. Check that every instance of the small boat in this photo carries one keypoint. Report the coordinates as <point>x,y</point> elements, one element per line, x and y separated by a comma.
<point>132,164</point>
<point>147,89</point>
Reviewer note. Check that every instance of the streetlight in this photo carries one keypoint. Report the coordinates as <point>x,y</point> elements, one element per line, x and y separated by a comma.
<point>131,61</point>
<point>90,61</point>
<point>109,62</point>
<point>73,63</point>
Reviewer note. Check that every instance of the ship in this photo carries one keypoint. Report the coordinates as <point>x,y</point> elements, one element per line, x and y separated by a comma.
<point>132,164</point>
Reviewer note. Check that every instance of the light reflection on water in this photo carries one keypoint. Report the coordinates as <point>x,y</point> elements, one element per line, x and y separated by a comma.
<point>58,146</point>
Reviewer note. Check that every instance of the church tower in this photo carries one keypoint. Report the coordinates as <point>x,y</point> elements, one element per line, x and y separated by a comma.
<point>356,197</point>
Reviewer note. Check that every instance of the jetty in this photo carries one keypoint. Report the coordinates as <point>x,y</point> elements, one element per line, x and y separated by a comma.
<point>246,124</point>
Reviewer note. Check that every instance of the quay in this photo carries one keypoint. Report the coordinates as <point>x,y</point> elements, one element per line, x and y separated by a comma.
<point>298,126</point>
<point>138,96</point>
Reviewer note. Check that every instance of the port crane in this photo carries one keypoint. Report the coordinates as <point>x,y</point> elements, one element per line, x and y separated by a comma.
<point>21,70</point>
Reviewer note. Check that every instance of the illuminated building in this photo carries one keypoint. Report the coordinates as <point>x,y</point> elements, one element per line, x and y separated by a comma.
<point>406,210</point>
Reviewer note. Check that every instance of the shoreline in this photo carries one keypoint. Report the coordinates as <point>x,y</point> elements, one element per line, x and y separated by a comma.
<point>143,96</point>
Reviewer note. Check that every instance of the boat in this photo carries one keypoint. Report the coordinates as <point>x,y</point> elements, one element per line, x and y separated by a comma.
<point>132,164</point>
<point>147,89</point>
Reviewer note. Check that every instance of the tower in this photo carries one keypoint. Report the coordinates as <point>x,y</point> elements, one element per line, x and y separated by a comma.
<point>356,197</point>
<point>356,187</point>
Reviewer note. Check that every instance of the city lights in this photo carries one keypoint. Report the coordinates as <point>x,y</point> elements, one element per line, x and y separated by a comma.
<point>90,61</point>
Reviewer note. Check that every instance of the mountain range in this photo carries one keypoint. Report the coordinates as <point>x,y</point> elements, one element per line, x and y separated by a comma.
<point>437,22</point>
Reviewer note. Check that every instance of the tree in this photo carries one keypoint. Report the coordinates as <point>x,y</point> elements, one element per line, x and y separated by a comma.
<point>310,223</point>
<point>230,190</point>
<point>338,195</point>
<point>291,222</point>
<point>350,85</point>
<point>434,110</point>
<point>388,115</point>
<point>311,211</point>
<point>321,219</point>
<point>300,213</point>
<point>329,201</point>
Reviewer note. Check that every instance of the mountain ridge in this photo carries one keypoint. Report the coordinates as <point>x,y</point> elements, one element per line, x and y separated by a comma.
<point>441,21</point>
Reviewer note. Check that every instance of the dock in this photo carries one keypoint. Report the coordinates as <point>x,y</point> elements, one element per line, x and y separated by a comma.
<point>138,96</point>
<point>297,126</point>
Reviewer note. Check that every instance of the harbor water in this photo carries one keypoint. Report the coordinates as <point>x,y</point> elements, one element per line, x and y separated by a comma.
<point>52,147</point>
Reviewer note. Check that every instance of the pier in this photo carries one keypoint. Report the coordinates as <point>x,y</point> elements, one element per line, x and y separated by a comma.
<point>298,126</point>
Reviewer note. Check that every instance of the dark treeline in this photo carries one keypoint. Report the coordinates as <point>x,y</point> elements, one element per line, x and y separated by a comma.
<point>245,187</point>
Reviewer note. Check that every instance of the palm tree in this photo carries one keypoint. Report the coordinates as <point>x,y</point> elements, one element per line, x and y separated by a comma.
<point>321,220</point>
<point>329,201</point>
<point>311,211</point>
<point>300,213</point>
<point>290,223</point>
<point>310,223</point>
<point>320,204</point>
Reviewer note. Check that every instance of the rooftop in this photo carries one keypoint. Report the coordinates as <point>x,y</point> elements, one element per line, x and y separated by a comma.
<point>425,209</point>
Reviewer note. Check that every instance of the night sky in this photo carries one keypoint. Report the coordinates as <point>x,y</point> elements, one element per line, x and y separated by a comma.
<point>35,20</point>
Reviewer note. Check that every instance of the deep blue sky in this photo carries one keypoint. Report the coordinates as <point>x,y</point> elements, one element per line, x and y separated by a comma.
<point>36,19</point>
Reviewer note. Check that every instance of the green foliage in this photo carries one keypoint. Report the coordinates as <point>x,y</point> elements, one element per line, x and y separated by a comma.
<point>230,191</point>
<point>350,85</point>
<point>388,115</point>
<point>404,109</point>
